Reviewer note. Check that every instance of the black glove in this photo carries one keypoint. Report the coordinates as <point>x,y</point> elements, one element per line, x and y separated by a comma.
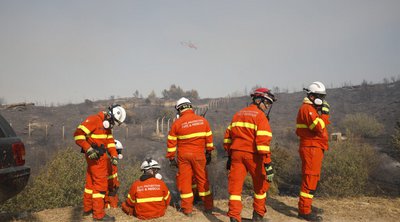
<point>270,172</point>
<point>228,163</point>
<point>92,154</point>
<point>325,108</point>
<point>208,157</point>
<point>173,163</point>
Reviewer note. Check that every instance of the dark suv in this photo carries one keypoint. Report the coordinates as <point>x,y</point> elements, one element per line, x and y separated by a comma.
<point>13,174</point>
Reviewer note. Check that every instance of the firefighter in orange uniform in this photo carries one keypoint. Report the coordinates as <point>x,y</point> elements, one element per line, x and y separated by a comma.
<point>191,137</point>
<point>312,120</point>
<point>247,141</point>
<point>111,199</point>
<point>148,197</point>
<point>95,138</point>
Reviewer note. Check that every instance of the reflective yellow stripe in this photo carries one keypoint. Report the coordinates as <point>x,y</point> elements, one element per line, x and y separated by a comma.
<point>188,136</point>
<point>260,196</point>
<point>84,129</point>
<point>129,197</point>
<point>203,194</point>
<point>98,195</point>
<point>229,127</point>
<point>110,136</point>
<point>99,136</point>
<point>172,137</point>
<point>166,197</point>
<point>263,133</point>
<point>209,133</point>
<point>110,145</point>
<point>88,191</point>
<point>235,197</point>
<point>306,195</point>
<point>227,141</point>
<point>81,137</point>
<point>209,144</point>
<point>172,149</point>
<point>321,122</point>
<point>113,176</point>
<point>150,199</point>
<point>263,148</point>
<point>315,122</point>
<point>301,126</point>
<point>186,195</point>
<point>244,124</point>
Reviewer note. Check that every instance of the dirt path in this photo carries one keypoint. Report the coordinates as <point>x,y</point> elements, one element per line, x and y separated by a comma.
<point>279,209</point>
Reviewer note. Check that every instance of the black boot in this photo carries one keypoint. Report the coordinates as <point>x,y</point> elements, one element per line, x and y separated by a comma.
<point>87,213</point>
<point>106,218</point>
<point>233,219</point>
<point>256,217</point>
<point>310,217</point>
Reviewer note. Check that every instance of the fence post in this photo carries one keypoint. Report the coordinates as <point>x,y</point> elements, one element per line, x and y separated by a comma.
<point>46,131</point>
<point>141,130</point>
<point>157,129</point>
<point>162,125</point>
<point>126,132</point>
<point>63,132</point>
<point>29,129</point>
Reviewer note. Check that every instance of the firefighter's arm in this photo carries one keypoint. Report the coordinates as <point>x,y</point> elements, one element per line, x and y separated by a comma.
<point>80,135</point>
<point>172,142</point>
<point>167,195</point>
<point>228,139</point>
<point>263,136</point>
<point>209,138</point>
<point>111,148</point>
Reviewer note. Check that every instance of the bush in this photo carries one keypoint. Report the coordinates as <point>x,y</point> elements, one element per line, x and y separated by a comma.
<point>362,124</point>
<point>396,136</point>
<point>346,169</point>
<point>59,184</point>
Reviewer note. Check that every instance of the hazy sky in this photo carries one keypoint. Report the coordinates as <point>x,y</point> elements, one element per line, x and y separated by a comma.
<point>58,51</point>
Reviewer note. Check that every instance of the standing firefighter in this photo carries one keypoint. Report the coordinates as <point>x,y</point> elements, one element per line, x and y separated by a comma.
<point>247,141</point>
<point>191,137</point>
<point>148,197</point>
<point>111,199</point>
<point>312,120</point>
<point>95,138</point>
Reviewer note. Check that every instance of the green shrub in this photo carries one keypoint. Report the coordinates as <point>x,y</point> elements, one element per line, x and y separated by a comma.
<point>346,169</point>
<point>59,184</point>
<point>396,137</point>
<point>362,124</point>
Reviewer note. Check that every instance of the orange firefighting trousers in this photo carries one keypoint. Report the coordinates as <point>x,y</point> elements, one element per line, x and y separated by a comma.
<point>243,162</point>
<point>311,158</point>
<point>111,199</point>
<point>96,186</point>
<point>193,164</point>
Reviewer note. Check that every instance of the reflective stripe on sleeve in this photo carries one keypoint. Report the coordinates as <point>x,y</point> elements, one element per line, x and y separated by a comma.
<point>263,148</point>
<point>172,137</point>
<point>84,129</point>
<point>227,141</point>
<point>81,137</point>
<point>172,149</point>
<point>113,176</point>
<point>263,133</point>
<point>88,191</point>
<point>98,195</point>
<point>130,198</point>
<point>209,144</point>
<point>166,197</point>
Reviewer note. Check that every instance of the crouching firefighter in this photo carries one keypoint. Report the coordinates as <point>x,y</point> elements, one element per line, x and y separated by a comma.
<point>95,138</point>
<point>149,196</point>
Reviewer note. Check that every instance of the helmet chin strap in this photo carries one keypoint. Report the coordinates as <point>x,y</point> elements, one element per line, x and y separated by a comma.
<point>269,110</point>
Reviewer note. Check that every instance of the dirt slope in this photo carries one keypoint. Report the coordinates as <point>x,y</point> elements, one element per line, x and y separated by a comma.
<point>279,209</point>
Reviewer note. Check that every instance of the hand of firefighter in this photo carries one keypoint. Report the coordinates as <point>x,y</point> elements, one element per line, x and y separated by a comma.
<point>228,163</point>
<point>208,157</point>
<point>173,163</point>
<point>325,108</point>
<point>270,172</point>
<point>92,154</point>
<point>114,160</point>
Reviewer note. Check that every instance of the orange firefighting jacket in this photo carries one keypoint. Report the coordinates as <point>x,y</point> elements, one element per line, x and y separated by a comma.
<point>249,131</point>
<point>148,197</point>
<point>311,126</point>
<point>91,133</point>
<point>190,133</point>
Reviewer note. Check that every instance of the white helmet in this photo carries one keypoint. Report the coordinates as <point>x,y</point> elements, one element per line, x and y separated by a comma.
<point>317,88</point>
<point>149,164</point>
<point>117,113</point>
<point>183,103</point>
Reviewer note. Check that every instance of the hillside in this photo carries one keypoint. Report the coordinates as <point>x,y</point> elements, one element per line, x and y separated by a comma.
<point>279,209</point>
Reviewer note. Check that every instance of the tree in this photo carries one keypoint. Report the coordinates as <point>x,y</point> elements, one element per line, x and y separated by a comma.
<point>362,124</point>
<point>175,92</point>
